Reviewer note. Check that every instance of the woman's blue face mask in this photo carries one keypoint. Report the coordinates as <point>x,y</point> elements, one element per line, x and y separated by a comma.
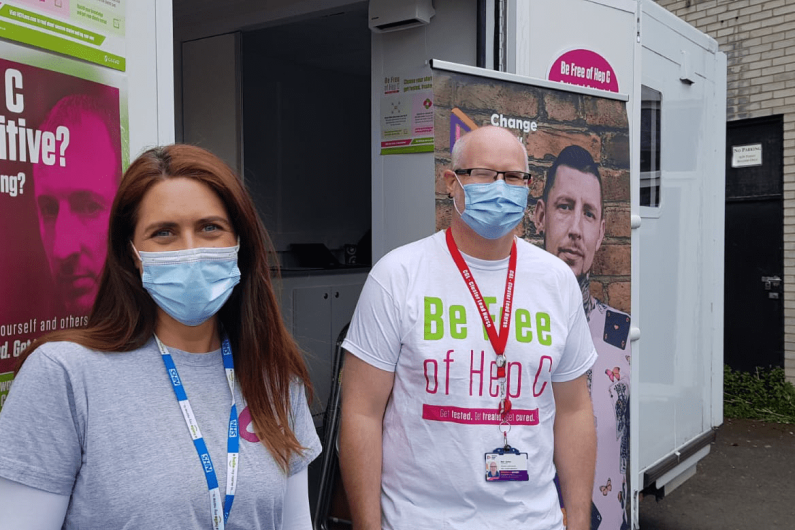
<point>190,285</point>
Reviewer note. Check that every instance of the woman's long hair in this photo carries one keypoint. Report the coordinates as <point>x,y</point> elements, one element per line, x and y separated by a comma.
<point>124,315</point>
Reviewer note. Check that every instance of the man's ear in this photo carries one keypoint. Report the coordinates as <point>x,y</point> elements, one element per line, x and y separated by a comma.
<point>539,218</point>
<point>450,182</point>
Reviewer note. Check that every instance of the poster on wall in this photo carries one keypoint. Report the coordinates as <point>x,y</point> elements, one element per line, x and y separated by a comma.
<point>63,146</point>
<point>92,30</point>
<point>407,114</point>
<point>579,210</point>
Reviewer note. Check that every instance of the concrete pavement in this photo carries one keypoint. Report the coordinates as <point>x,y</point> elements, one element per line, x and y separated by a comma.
<point>747,482</point>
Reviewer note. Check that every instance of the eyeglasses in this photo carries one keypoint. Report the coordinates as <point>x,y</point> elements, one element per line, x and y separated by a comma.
<point>482,175</point>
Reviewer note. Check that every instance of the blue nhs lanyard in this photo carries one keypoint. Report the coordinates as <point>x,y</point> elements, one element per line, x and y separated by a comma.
<point>232,444</point>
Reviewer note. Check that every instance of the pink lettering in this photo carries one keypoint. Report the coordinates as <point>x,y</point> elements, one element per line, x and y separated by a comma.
<point>494,381</point>
<point>469,416</point>
<point>509,386</point>
<point>538,373</point>
<point>447,361</point>
<point>472,371</point>
<point>433,376</point>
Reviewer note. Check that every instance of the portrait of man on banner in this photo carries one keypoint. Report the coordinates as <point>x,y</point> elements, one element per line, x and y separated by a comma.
<point>570,216</point>
<point>73,201</point>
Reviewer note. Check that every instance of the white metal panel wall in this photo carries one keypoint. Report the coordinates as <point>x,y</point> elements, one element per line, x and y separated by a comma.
<point>681,245</point>
<point>715,272</point>
<point>403,185</point>
<point>541,31</point>
<point>634,410</point>
<point>150,74</point>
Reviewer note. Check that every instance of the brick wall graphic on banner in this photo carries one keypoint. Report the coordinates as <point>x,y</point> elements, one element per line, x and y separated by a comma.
<point>579,210</point>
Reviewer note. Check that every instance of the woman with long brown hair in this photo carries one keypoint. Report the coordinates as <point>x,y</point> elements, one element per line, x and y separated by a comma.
<point>185,330</point>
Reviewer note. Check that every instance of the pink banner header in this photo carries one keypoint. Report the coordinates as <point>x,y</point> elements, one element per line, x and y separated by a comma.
<point>478,416</point>
<point>584,68</point>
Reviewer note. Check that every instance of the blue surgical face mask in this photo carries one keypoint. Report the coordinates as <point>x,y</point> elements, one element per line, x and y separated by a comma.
<point>190,285</point>
<point>493,209</point>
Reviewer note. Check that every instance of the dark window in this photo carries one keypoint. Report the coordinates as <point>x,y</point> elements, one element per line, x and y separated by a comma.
<point>650,173</point>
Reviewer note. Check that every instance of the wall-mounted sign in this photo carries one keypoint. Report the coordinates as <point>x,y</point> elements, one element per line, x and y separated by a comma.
<point>584,68</point>
<point>746,155</point>
<point>63,147</point>
<point>92,30</point>
<point>407,114</point>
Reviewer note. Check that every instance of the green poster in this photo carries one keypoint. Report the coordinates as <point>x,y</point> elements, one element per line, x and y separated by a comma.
<point>91,30</point>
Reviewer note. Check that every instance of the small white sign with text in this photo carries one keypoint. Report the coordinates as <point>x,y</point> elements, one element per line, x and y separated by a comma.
<point>747,155</point>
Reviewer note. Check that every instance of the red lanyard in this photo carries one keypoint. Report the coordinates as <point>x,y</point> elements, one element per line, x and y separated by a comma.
<point>498,341</point>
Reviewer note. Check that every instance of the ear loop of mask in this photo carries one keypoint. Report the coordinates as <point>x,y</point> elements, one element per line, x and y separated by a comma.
<point>136,252</point>
<point>454,201</point>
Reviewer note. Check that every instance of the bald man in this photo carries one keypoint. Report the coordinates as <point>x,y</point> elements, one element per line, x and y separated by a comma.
<point>466,348</point>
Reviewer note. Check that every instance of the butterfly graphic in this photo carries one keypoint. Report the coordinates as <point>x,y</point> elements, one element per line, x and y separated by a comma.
<point>606,488</point>
<point>614,374</point>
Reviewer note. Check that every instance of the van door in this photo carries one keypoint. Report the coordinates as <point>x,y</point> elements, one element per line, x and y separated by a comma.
<point>679,365</point>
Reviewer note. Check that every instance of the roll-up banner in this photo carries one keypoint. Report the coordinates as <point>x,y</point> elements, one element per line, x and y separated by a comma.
<point>577,143</point>
<point>63,147</point>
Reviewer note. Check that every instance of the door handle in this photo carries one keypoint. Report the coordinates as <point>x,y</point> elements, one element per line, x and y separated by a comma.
<point>771,282</point>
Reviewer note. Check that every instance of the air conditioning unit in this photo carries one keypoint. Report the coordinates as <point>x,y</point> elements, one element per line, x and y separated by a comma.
<point>394,15</point>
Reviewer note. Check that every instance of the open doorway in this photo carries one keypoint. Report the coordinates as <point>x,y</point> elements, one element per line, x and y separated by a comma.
<point>288,106</point>
<point>306,135</point>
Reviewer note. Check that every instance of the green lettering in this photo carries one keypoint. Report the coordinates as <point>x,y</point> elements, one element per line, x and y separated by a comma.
<point>544,326</point>
<point>458,321</point>
<point>434,326</point>
<point>523,326</point>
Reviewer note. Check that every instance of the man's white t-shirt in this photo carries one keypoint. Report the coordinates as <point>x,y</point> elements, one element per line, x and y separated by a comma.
<point>417,318</point>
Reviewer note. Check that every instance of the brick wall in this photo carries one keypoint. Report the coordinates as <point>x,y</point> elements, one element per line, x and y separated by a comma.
<point>758,38</point>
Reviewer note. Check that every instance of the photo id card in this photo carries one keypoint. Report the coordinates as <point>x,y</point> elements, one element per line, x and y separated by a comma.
<point>506,466</point>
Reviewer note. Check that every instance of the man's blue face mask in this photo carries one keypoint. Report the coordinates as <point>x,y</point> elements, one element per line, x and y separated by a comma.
<point>193,284</point>
<point>493,209</point>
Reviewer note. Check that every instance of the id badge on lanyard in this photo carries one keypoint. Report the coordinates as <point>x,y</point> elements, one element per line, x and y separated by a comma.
<point>219,510</point>
<point>504,465</point>
<point>509,461</point>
